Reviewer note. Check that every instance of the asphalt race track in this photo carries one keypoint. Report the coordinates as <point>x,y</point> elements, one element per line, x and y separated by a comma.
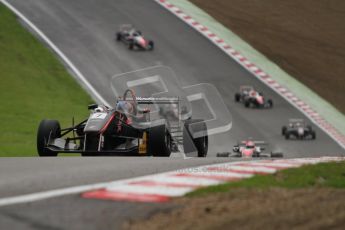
<point>31,175</point>
<point>84,30</point>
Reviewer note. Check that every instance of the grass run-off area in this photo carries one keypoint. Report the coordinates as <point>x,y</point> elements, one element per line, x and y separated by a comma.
<point>316,176</point>
<point>34,85</point>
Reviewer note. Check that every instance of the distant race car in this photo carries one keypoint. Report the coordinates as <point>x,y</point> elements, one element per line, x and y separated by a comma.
<point>125,130</point>
<point>250,149</point>
<point>251,98</point>
<point>298,129</point>
<point>133,38</point>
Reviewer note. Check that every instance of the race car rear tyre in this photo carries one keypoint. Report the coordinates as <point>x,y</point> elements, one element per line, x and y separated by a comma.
<point>277,155</point>
<point>48,129</point>
<point>159,144</point>
<point>224,154</point>
<point>287,135</point>
<point>237,97</point>
<point>200,143</point>
<point>284,130</point>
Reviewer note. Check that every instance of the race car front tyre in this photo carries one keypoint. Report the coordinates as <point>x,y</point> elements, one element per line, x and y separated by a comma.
<point>313,135</point>
<point>118,36</point>
<point>91,144</point>
<point>200,143</point>
<point>151,45</point>
<point>131,45</point>
<point>47,130</point>
<point>237,97</point>
<point>247,103</point>
<point>159,143</point>
<point>284,130</point>
<point>270,103</point>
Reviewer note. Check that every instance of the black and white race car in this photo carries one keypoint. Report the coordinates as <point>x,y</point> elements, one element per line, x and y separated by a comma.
<point>133,38</point>
<point>126,130</point>
<point>298,129</point>
<point>251,98</point>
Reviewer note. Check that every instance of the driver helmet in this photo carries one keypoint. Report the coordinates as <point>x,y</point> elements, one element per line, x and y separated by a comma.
<point>133,32</point>
<point>250,144</point>
<point>99,109</point>
<point>125,107</point>
<point>252,93</point>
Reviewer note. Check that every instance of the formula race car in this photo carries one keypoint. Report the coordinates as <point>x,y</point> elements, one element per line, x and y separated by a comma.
<point>133,38</point>
<point>298,129</point>
<point>125,130</point>
<point>251,98</point>
<point>249,149</point>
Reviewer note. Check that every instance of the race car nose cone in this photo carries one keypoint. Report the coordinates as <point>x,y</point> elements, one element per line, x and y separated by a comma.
<point>142,42</point>
<point>300,131</point>
<point>260,99</point>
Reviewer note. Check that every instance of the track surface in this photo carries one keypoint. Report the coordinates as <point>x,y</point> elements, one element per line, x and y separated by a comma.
<point>84,30</point>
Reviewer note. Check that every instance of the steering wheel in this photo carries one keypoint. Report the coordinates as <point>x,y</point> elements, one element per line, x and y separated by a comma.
<point>130,93</point>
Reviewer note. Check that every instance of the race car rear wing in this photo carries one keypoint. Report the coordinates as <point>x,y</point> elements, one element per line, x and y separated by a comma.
<point>246,87</point>
<point>295,120</point>
<point>126,27</point>
<point>255,142</point>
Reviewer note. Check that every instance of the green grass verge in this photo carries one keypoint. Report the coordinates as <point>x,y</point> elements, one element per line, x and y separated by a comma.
<point>34,85</point>
<point>320,175</point>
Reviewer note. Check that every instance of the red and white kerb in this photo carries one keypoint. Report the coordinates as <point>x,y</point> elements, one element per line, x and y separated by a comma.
<point>164,186</point>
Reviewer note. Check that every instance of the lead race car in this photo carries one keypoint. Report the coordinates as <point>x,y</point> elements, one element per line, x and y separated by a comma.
<point>133,38</point>
<point>250,149</point>
<point>125,130</point>
<point>252,98</point>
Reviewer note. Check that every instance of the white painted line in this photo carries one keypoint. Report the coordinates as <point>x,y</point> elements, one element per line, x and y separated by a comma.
<point>79,75</point>
<point>49,194</point>
<point>143,81</point>
<point>221,129</point>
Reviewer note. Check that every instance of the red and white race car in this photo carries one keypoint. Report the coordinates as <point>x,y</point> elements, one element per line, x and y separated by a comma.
<point>249,149</point>
<point>133,38</point>
<point>252,98</point>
